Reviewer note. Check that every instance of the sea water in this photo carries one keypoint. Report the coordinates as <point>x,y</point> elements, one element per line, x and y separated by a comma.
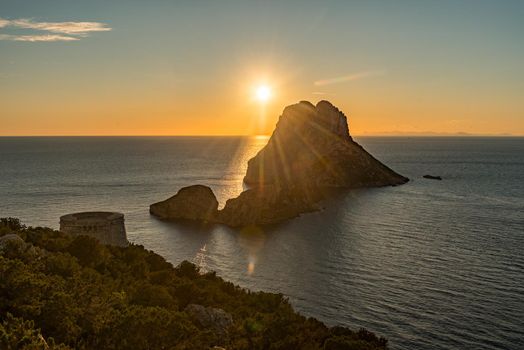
<point>429,265</point>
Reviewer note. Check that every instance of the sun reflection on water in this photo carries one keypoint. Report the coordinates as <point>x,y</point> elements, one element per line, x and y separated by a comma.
<point>240,152</point>
<point>250,267</point>
<point>252,239</point>
<point>200,260</point>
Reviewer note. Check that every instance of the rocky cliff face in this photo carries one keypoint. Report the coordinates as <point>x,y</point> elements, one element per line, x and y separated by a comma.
<point>216,320</point>
<point>311,146</point>
<point>309,154</point>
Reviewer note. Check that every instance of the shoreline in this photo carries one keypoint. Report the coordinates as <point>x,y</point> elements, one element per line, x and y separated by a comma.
<point>186,309</point>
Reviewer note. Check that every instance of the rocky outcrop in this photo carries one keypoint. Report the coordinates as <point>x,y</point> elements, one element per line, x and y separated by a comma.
<point>217,320</point>
<point>196,202</point>
<point>432,177</point>
<point>310,154</point>
<point>12,241</point>
<point>14,245</point>
<point>311,146</point>
<point>266,205</point>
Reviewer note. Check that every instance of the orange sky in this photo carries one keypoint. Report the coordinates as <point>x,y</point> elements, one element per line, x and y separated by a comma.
<point>190,68</point>
<point>371,109</point>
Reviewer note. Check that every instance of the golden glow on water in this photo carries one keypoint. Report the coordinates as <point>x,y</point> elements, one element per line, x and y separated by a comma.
<point>250,267</point>
<point>241,152</point>
<point>252,239</point>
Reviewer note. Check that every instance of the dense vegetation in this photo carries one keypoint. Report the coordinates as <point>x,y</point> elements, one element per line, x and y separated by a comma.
<point>59,292</point>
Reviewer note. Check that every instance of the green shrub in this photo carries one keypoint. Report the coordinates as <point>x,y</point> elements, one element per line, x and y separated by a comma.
<point>74,292</point>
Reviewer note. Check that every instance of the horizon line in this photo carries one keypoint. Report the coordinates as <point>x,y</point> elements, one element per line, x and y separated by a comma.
<point>269,135</point>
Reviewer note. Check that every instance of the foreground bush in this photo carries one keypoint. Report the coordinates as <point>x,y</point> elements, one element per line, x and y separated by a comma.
<point>60,292</point>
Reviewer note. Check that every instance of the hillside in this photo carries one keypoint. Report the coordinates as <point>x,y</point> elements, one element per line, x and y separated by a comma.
<point>64,292</point>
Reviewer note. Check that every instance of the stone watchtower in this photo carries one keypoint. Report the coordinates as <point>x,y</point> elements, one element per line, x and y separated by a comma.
<point>107,227</point>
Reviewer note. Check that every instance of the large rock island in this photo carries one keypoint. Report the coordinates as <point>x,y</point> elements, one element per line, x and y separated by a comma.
<point>309,155</point>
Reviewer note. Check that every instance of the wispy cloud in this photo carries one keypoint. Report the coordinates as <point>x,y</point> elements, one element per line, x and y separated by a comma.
<point>34,38</point>
<point>60,31</point>
<point>350,77</point>
<point>71,28</point>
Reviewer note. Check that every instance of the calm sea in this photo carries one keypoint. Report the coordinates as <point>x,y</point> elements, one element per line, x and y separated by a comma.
<point>430,264</point>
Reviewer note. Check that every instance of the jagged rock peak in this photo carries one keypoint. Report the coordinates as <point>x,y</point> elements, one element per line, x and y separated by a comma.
<point>304,117</point>
<point>311,147</point>
<point>337,120</point>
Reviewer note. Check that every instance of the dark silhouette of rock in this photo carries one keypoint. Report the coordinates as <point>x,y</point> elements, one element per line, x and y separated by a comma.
<point>196,202</point>
<point>215,319</point>
<point>309,155</point>
<point>432,177</point>
<point>266,205</point>
<point>311,146</point>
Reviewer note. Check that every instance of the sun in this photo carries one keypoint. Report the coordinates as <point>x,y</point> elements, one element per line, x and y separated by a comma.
<point>263,93</point>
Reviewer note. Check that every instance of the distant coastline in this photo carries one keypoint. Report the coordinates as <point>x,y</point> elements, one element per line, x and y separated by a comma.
<point>433,133</point>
